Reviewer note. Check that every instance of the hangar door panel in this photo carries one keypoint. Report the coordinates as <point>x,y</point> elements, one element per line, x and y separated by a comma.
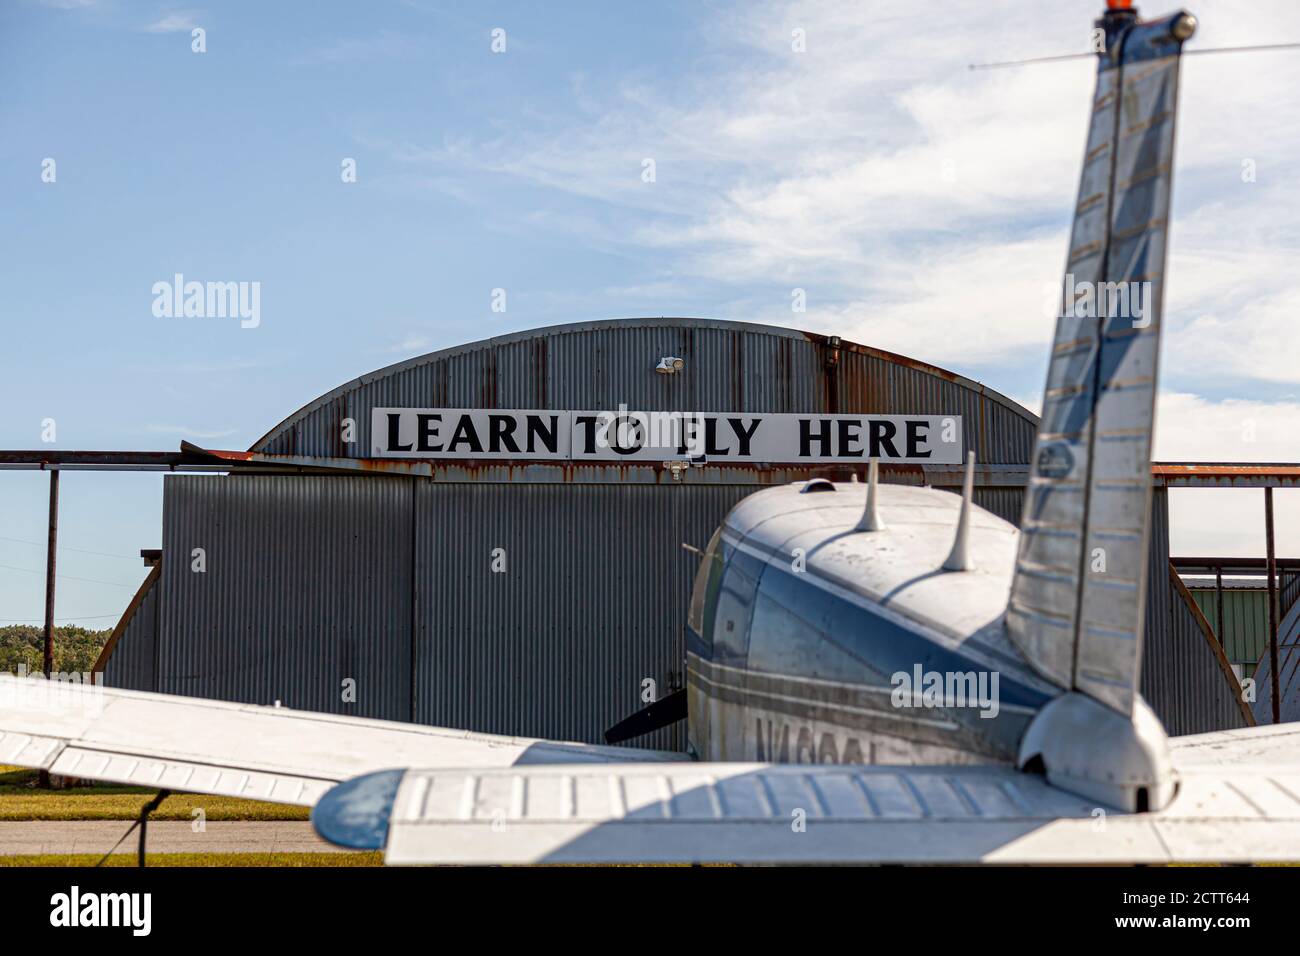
<point>305,583</point>
<point>541,608</point>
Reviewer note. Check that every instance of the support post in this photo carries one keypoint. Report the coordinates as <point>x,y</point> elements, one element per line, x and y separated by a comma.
<point>51,555</point>
<point>1272,605</point>
<point>51,552</point>
<point>1218,603</point>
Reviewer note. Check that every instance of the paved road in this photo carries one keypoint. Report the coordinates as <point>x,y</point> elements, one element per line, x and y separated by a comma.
<point>165,836</point>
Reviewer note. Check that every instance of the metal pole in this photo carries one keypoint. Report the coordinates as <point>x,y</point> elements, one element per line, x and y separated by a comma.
<point>1218,600</point>
<point>52,544</point>
<point>1272,605</point>
<point>51,551</point>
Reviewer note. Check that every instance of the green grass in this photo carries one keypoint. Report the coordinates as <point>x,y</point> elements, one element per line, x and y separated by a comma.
<point>21,799</point>
<point>202,859</point>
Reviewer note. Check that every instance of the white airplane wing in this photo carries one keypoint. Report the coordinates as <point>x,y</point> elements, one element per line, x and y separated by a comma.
<point>239,750</point>
<point>1273,746</point>
<point>762,813</point>
<point>515,800</point>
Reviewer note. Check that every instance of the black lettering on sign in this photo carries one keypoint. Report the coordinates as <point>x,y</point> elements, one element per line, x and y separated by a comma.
<point>689,427</point>
<point>501,432</point>
<point>537,429</point>
<point>465,435</point>
<point>621,428</point>
<point>917,433</point>
<point>850,438</point>
<point>711,446</point>
<point>588,424</point>
<point>743,436</point>
<point>394,426</point>
<point>426,432</point>
<point>806,437</point>
<point>882,436</point>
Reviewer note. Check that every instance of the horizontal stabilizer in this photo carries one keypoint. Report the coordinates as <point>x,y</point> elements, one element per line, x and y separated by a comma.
<point>762,813</point>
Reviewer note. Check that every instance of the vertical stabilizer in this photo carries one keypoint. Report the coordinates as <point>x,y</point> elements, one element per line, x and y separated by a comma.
<point>1079,592</point>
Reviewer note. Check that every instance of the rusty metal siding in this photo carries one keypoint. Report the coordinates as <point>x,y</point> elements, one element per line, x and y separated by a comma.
<point>1181,677</point>
<point>132,663</point>
<point>307,583</point>
<point>730,366</point>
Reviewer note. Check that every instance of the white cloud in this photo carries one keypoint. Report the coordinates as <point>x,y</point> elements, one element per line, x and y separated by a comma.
<point>189,432</point>
<point>1193,428</point>
<point>946,307</point>
<point>921,205</point>
<point>410,345</point>
<point>1229,521</point>
<point>178,21</point>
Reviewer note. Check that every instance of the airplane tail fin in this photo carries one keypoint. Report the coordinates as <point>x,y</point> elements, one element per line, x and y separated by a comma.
<point>1079,592</point>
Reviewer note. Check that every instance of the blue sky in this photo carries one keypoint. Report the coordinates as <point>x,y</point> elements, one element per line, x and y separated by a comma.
<point>922,207</point>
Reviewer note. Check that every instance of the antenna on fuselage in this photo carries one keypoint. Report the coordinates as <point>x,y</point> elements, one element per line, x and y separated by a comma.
<point>870,520</point>
<point>959,557</point>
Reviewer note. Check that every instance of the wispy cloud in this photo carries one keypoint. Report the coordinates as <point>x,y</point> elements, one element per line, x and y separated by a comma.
<point>410,345</point>
<point>384,45</point>
<point>922,207</point>
<point>186,431</point>
<point>178,21</point>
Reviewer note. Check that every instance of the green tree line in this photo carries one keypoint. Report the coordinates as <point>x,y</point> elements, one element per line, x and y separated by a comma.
<point>75,648</point>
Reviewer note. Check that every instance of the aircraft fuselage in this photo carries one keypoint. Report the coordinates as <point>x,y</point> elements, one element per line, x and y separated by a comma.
<point>811,642</point>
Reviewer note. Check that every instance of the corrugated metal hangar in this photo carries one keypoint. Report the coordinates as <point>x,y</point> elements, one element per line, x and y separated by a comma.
<point>534,594</point>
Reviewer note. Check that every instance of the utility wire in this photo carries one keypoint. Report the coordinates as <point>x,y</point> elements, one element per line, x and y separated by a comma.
<point>61,617</point>
<point>42,544</point>
<point>70,577</point>
<point>1079,56</point>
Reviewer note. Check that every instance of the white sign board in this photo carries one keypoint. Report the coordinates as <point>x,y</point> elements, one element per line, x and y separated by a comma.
<point>718,437</point>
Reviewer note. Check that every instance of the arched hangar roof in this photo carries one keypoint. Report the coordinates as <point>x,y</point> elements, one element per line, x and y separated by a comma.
<point>729,366</point>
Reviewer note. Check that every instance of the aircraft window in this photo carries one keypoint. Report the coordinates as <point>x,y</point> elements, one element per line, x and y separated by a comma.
<point>735,601</point>
<point>790,628</point>
<point>705,591</point>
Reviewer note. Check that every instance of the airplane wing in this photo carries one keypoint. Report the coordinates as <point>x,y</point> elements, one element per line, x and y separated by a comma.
<point>1275,746</point>
<point>763,813</point>
<point>516,800</point>
<point>239,750</point>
